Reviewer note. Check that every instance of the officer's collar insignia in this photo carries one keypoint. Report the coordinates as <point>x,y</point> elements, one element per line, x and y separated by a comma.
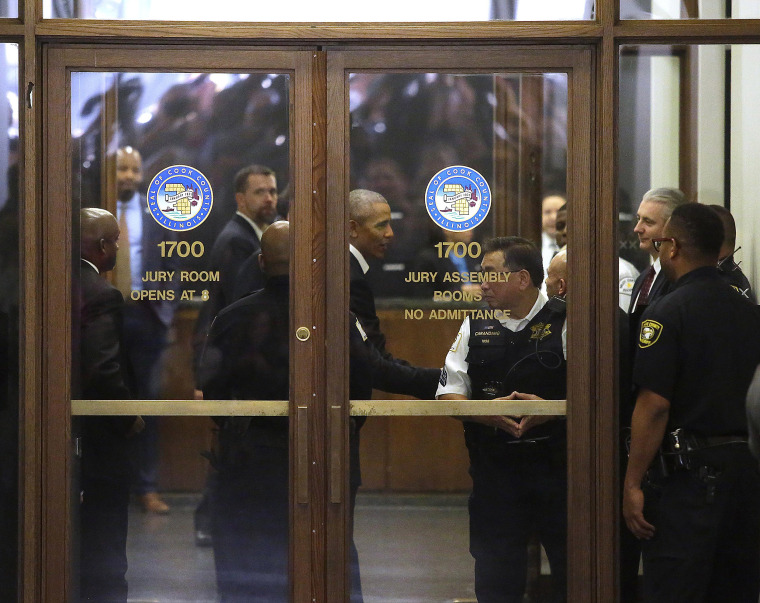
<point>650,333</point>
<point>361,330</point>
<point>540,331</point>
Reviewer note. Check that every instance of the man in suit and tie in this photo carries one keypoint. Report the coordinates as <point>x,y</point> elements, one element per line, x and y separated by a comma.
<point>656,207</point>
<point>146,322</point>
<point>370,233</point>
<point>106,451</point>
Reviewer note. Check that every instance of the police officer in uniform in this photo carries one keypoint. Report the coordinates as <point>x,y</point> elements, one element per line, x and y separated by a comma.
<point>696,509</point>
<point>517,464</point>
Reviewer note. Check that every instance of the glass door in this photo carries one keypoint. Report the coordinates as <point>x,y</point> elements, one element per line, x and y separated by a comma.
<point>179,180</point>
<point>458,178</point>
<point>179,430</point>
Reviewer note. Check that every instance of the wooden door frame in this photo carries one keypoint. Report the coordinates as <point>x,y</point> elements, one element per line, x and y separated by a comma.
<point>582,357</point>
<point>306,402</point>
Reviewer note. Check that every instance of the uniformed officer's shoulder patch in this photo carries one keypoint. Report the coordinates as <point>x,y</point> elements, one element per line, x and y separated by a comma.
<point>626,285</point>
<point>650,333</point>
<point>443,379</point>
<point>540,331</point>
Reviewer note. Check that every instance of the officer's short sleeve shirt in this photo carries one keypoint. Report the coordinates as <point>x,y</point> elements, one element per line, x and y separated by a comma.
<point>698,348</point>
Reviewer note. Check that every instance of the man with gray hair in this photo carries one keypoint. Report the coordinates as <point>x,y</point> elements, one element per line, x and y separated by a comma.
<point>656,207</point>
<point>369,233</point>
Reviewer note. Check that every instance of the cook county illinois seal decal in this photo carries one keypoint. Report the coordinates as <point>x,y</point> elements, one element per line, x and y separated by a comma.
<point>458,198</point>
<point>180,197</point>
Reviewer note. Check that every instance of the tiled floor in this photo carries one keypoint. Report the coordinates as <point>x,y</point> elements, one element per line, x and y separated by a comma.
<point>412,549</point>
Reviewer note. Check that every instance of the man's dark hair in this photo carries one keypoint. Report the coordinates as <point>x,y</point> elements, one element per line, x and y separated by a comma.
<point>729,226</point>
<point>519,254</point>
<point>241,178</point>
<point>698,227</point>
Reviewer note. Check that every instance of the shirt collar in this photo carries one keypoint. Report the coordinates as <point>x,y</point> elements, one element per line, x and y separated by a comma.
<point>256,229</point>
<point>548,241</point>
<point>518,324</point>
<point>131,204</point>
<point>94,267</point>
<point>656,267</point>
<point>359,258</point>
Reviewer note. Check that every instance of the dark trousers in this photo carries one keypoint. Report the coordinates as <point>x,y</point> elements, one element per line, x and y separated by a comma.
<point>103,542</point>
<point>516,492</point>
<point>705,548</point>
<point>249,523</point>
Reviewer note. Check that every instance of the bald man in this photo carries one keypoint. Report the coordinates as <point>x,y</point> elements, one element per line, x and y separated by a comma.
<point>106,450</point>
<point>556,275</point>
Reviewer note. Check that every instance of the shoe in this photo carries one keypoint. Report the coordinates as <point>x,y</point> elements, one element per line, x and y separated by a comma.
<point>203,538</point>
<point>151,503</point>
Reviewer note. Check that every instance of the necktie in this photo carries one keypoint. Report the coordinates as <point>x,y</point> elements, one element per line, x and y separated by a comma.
<point>646,286</point>
<point>122,272</point>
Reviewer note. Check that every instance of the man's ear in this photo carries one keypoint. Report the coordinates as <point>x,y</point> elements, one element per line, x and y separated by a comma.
<point>562,287</point>
<point>262,263</point>
<point>238,200</point>
<point>353,227</point>
<point>525,280</point>
<point>102,246</point>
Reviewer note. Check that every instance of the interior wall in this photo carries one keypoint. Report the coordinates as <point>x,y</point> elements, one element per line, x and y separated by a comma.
<point>745,156</point>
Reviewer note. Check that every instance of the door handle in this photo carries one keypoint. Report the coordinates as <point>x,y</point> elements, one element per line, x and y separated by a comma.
<point>336,454</point>
<point>302,455</point>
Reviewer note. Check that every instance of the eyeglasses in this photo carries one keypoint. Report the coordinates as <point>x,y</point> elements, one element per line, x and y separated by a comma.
<point>657,243</point>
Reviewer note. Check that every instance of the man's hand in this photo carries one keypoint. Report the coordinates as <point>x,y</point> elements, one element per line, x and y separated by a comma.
<point>527,422</point>
<point>508,424</point>
<point>633,512</point>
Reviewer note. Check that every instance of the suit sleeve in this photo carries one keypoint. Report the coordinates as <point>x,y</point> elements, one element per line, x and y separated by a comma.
<point>385,372</point>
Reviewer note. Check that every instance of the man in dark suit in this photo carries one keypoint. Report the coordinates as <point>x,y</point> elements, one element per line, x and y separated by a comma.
<point>256,198</point>
<point>146,322</point>
<point>369,232</point>
<point>105,467</point>
<point>656,207</point>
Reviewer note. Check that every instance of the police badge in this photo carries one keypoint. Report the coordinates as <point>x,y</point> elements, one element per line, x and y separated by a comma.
<point>650,333</point>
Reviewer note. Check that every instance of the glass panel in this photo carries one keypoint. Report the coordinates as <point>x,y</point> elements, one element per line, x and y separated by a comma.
<point>10,229</point>
<point>9,9</point>
<point>688,133</point>
<point>229,10</point>
<point>178,178</point>
<point>440,165</point>
<point>689,9</point>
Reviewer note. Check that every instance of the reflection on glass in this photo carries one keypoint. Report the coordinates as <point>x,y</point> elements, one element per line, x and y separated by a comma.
<point>9,323</point>
<point>678,9</point>
<point>178,176</point>
<point>395,10</point>
<point>412,293</point>
<point>685,117</point>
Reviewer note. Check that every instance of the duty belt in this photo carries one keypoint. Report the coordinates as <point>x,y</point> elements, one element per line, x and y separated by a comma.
<point>684,451</point>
